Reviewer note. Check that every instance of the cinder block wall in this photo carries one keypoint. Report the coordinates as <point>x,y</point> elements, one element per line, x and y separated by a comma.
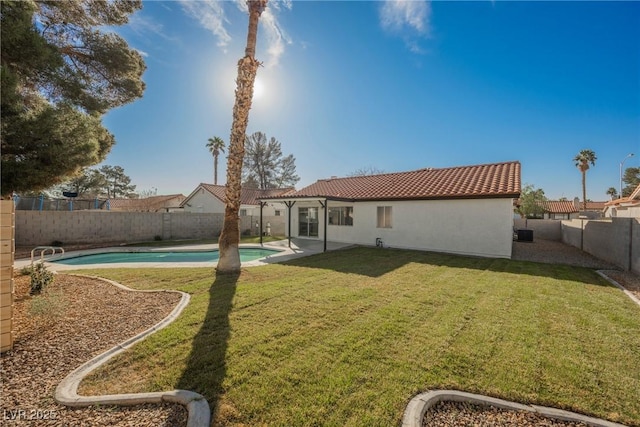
<point>548,229</point>
<point>635,245</point>
<point>42,228</point>
<point>616,241</point>
<point>7,246</point>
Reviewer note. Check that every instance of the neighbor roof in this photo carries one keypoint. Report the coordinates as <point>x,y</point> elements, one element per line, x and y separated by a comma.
<point>148,203</point>
<point>631,200</point>
<point>248,196</point>
<point>570,206</point>
<point>559,206</point>
<point>478,181</point>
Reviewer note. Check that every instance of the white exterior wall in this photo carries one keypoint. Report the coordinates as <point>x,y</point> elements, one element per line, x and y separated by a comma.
<point>203,202</point>
<point>268,210</point>
<point>482,227</point>
<point>622,212</point>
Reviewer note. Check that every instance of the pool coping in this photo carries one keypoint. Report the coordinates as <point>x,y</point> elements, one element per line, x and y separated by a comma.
<point>285,253</point>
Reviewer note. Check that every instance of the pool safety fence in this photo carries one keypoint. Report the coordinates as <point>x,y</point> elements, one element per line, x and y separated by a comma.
<point>42,203</point>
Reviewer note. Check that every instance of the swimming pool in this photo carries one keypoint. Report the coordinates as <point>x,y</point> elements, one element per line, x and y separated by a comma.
<point>246,254</point>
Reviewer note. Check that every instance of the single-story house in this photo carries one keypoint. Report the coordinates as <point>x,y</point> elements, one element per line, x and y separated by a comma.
<point>625,207</point>
<point>570,209</point>
<point>148,204</point>
<point>463,210</point>
<point>209,198</point>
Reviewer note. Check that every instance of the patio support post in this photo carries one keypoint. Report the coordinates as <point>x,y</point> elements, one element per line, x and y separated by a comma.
<point>324,206</point>
<point>289,206</point>
<point>261,206</point>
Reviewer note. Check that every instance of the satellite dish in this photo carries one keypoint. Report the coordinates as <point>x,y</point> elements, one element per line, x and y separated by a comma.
<point>69,194</point>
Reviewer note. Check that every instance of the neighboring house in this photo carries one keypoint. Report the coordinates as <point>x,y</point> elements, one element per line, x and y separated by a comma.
<point>148,204</point>
<point>463,210</point>
<point>626,207</point>
<point>209,198</point>
<point>567,209</point>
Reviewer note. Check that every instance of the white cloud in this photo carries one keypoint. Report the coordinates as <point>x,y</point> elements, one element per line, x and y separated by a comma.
<point>409,18</point>
<point>210,14</point>
<point>276,38</point>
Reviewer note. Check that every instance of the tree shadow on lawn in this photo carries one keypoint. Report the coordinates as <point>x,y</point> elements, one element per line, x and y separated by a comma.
<point>206,366</point>
<point>376,262</point>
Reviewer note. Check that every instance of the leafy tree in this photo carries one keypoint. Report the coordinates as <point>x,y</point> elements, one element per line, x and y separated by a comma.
<point>215,146</point>
<point>264,164</point>
<point>582,161</point>
<point>631,177</point>
<point>118,184</point>
<point>286,173</point>
<point>366,171</point>
<point>229,261</point>
<point>60,72</point>
<point>531,202</point>
<point>612,193</point>
<point>89,183</point>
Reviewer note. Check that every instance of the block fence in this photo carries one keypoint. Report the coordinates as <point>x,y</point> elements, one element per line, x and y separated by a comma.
<point>616,240</point>
<point>42,228</point>
<point>7,247</point>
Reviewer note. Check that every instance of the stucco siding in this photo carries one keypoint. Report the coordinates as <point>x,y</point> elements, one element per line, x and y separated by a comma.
<point>482,227</point>
<point>204,202</point>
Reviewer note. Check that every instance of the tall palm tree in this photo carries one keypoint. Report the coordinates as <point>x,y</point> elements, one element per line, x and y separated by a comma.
<point>582,161</point>
<point>229,241</point>
<point>612,193</point>
<point>216,146</point>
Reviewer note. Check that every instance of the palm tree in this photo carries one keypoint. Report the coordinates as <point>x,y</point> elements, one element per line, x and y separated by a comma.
<point>229,241</point>
<point>216,146</point>
<point>612,193</point>
<point>582,161</point>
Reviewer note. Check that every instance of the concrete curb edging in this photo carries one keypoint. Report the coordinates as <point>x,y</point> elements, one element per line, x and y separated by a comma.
<point>66,393</point>
<point>418,406</point>
<point>618,285</point>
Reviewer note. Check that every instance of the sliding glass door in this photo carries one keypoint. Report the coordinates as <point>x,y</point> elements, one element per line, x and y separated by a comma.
<point>308,222</point>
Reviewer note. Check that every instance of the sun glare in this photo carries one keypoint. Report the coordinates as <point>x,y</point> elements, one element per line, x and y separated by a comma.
<point>258,89</point>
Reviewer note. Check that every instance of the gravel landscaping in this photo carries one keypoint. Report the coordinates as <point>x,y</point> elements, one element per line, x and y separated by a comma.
<point>447,414</point>
<point>73,321</point>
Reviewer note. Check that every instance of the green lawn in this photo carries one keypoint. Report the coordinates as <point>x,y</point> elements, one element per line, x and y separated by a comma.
<point>347,338</point>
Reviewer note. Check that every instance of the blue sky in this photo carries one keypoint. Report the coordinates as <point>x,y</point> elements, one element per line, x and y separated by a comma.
<point>393,85</point>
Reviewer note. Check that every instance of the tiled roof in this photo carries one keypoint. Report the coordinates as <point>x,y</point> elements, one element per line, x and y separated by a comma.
<point>478,181</point>
<point>559,206</point>
<point>248,196</point>
<point>632,199</point>
<point>146,204</point>
<point>594,206</point>
<point>569,206</point>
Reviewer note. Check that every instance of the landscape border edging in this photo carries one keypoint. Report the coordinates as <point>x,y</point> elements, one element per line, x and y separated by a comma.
<point>418,406</point>
<point>66,393</point>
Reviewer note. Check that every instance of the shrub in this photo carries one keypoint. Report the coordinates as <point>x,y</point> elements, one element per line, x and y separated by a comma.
<point>157,238</point>
<point>57,243</point>
<point>40,278</point>
<point>49,306</point>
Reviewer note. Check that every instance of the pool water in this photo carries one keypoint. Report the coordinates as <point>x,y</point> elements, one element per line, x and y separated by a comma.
<point>246,254</point>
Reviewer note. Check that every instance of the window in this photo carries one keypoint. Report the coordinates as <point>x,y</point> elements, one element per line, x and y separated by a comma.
<point>384,217</point>
<point>243,212</point>
<point>342,215</point>
<point>278,213</point>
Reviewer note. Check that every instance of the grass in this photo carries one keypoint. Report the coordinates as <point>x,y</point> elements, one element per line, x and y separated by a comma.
<point>347,338</point>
